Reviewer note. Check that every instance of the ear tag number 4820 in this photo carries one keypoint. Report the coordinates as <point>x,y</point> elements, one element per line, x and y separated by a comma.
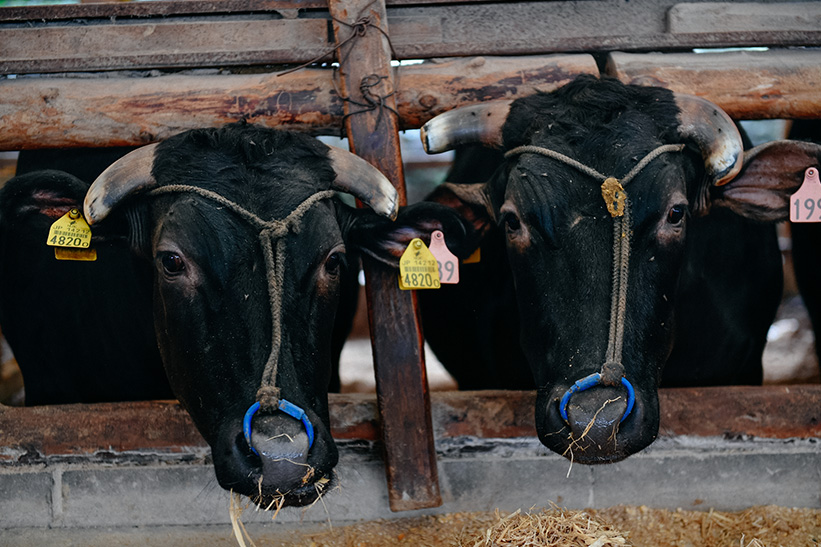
<point>423,268</point>
<point>805,204</point>
<point>418,268</point>
<point>70,235</point>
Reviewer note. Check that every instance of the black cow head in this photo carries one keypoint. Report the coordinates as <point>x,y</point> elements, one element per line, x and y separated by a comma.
<point>597,346</point>
<point>251,250</point>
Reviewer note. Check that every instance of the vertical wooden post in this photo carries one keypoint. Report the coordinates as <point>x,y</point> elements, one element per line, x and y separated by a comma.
<point>396,334</point>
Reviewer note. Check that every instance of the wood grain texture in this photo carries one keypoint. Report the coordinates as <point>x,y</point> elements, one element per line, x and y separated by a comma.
<point>63,112</point>
<point>111,430</point>
<point>372,125</point>
<point>746,84</point>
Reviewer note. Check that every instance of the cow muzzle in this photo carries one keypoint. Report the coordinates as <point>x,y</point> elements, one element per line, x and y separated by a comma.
<point>282,440</point>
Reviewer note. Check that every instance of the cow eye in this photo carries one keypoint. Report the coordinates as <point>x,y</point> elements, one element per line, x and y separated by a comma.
<point>512,223</point>
<point>333,263</point>
<point>172,263</point>
<point>676,214</point>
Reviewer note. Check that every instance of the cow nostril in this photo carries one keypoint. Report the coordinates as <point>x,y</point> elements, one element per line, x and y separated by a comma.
<point>590,381</point>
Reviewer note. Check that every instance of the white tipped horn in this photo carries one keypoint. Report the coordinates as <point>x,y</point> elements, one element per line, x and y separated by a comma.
<point>715,133</point>
<point>364,181</point>
<point>127,175</point>
<point>481,123</point>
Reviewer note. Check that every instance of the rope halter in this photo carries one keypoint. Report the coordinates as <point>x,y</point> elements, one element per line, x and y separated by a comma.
<point>271,233</point>
<point>618,205</point>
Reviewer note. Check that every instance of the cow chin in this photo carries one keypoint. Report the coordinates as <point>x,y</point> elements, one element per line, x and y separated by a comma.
<point>277,475</point>
<point>594,433</point>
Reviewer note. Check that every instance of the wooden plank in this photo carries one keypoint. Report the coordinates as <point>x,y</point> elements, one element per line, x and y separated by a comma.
<point>109,430</point>
<point>746,84</point>
<point>64,112</point>
<point>106,10</point>
<point>417,31</point>
<point>360,27</point>
<point>709,17</point>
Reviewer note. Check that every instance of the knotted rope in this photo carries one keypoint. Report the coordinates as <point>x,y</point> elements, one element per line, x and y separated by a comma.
<point>270,231</point>
<point>612,371</point>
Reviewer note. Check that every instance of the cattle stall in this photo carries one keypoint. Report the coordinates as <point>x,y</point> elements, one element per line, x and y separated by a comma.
<point>132,73</point>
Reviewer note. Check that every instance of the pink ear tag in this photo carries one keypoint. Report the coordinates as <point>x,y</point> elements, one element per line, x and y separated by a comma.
<point>448,263</point>
<point>805,204</point>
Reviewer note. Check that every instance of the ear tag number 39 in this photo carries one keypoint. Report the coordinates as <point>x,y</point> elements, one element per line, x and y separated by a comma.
<point>418,268</point>
<point>70,235</point>
<point>447,261</point>
<point>805,204</point>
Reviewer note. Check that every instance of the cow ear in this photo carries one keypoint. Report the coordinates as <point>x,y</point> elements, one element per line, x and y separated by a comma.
<point>471,201</point>
<point>386,240</point>
<point>47,192</point>
<point>772,172</point>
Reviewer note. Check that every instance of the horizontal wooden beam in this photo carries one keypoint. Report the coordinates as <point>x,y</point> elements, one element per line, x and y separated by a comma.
<point>151,35</point>
<point>66,112</point>
<point>34,434</point>
<point>746,84</point>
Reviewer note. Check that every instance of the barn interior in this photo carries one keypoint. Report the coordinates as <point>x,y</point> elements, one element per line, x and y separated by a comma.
<point>98,74</point>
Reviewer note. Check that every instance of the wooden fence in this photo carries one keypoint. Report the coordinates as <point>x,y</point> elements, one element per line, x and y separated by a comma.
<point>133,73</point>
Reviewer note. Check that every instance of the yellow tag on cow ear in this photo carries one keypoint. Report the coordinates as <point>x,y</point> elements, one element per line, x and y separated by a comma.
<point>418,268</point>
<point>68,253</point>
<point>475,258</point>
<point>70,230</point>
<point>614,196</point>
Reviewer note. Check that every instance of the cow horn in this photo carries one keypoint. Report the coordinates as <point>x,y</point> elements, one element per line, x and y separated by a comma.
<point>481,123</point>
<point>364,181</point>
<point>715,133</point>
<point>125,176</point>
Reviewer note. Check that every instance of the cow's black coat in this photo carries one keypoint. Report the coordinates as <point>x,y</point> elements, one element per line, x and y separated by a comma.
<point>704,282</point>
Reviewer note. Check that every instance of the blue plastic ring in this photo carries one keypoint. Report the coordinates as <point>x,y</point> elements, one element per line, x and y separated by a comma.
<point>288,408</point>
<point>590,381</point>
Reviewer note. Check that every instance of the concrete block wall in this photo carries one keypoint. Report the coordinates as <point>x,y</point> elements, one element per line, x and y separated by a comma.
<point>475,474</point>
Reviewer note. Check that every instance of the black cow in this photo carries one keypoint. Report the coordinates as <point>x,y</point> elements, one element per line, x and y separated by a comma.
<point>251,250</point>
<point>806,244</point>
<point>82,332</point>
<point>596,294</point>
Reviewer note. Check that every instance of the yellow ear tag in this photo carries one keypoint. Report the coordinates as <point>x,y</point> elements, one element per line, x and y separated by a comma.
<point>67,253</point>
<point>614,196</point>
<point>475,258</point>
<point>418,268</point>
<point>70,235</point>
<point>70,230</point>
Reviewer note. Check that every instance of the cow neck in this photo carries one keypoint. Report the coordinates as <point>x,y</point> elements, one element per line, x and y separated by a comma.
<point>271,233</point>
<point>612,371</point>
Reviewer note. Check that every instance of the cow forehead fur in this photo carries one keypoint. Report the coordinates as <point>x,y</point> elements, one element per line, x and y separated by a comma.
<point>605,125</point>
<point>266,171</point>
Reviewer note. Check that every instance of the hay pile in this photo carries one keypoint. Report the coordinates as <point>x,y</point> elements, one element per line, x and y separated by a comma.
<point>760,526</point>
<point>548,528</point>
<point>619,526</point>
<point>622,526</point>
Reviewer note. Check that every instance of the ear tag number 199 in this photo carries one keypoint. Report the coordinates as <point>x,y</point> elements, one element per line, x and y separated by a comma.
<point>418,268</point>
<point>70,235</point>
<point>447,261</point>
<point>805,204</point>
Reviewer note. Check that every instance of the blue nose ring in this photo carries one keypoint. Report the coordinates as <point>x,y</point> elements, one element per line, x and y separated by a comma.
<point>288,408</point>
<point>591,381</point>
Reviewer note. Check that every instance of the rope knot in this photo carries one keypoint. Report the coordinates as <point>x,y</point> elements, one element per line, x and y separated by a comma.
<point>360,26</point>
<point>268,397</point>
<point>612,373</point>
